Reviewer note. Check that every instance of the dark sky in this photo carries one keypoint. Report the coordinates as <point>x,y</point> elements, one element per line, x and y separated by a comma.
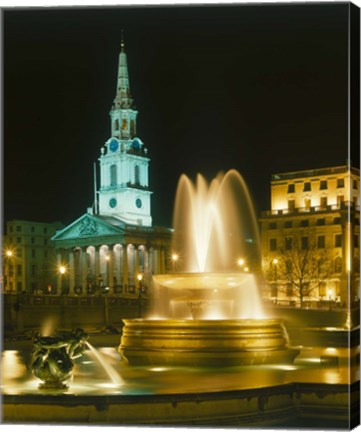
<point>258,88</point>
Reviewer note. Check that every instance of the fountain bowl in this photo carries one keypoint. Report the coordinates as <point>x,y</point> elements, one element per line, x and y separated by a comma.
<point>205,343</point>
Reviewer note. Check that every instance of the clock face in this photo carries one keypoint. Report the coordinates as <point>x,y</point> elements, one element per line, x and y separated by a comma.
<point>112,202</point>
<point>138,203</point>
<point>136,144</point>
<point>113,145</point>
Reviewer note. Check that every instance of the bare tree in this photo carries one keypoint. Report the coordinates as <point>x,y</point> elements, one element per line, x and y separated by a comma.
<point>302,266</point>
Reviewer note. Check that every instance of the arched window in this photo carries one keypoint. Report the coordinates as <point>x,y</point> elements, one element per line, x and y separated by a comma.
<point>136,174</point>
<point>132,128</point>
<point>116,125</point>
<point>113,175</point>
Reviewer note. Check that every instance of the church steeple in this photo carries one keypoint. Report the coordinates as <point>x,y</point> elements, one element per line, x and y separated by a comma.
<point>124,181</point>
<point>123,98</point>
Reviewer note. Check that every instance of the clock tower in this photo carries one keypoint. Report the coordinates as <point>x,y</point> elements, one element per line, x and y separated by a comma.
<point>124,189</point>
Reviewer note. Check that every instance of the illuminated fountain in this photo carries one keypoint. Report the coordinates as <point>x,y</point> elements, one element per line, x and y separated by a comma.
<point>209,313</point>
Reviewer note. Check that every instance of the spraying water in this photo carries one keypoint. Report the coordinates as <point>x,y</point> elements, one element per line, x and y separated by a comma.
<point>111,372</point>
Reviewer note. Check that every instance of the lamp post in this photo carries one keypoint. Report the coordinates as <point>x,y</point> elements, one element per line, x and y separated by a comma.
<point>329,292</point>
<point>174,259</point>
<point>275,293</point>
<point>140,291</point>
<point>9,256</point>
<point>62,272</point>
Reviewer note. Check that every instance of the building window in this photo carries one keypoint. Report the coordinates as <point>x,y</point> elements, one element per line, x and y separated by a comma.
<point>304,242</point>
<point>132,128</point>
<point>273,244</point>
<point>337,220</point>
<point>124,124</point>
<point>291,188</point>
<point>288,224</point>
<point>18,228</point>
<point>338,240</point>
<point>45,230</point>
<point>338,265</point>
<point>322,289</point>
<point>305,223</point>
<point>356,243</point>
<point>354,184</point>
<point>113,175</point>
<point>288,243</point>
<point>32,229</point>
<point>321,221</point>
<point>321,241</point>
<point>116,125</point>
<point>272,225</point>
<point>33,270</point>
<point>19,286</point>
<point>19,270</point>
<point>18,240</point>
<point>32,253</point>
<point>340,200</point>
<point>323,202</point>
<point>307,187</point>
<point>307,203</point>
<point>137,174</point>
<point>32,240</point>
<point>323,184</point>
<point>340,183</point>
<point>291,205</point>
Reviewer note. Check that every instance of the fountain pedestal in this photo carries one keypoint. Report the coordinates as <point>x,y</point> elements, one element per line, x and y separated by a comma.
<point>205,343</point>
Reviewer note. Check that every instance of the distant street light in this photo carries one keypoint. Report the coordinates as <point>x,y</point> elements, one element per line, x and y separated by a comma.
<point>140,291</point>
<point>62,269</point>
<point>9,253</point>
<point>174,259</point>
<point>241,262</point>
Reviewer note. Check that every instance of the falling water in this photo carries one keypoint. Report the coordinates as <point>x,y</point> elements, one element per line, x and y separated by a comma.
<point>212,222</point>
<point>111,372</point>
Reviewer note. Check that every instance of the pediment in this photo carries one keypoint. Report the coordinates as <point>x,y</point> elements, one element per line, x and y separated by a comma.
<point>89,226</point>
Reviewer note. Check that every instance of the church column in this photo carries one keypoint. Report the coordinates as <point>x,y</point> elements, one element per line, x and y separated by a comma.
<point>125,268</point>
<point>96,265</point>
<point>111,269</point>
<point>71,272</point>
<point>84,270</point>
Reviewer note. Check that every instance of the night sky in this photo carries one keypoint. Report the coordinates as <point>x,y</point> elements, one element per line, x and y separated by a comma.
<point>258,88</point>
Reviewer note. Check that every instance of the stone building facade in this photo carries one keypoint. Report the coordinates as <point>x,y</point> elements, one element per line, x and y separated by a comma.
<point>310,237</point>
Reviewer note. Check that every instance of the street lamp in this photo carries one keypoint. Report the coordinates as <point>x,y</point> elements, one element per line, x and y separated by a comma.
<point>140,290</point>
<point>174,259</point>
<point>62,271</point>
<point>329,292</point>
<point>241,262</point>
<point>9,253</point>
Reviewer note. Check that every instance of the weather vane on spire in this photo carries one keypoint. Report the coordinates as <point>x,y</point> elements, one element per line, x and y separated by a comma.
<point>122,40</point>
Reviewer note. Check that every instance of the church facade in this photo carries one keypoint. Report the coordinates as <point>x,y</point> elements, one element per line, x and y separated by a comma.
<point>114,248</point>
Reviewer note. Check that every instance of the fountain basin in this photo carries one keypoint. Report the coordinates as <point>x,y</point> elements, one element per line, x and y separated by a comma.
<point>205,343</point>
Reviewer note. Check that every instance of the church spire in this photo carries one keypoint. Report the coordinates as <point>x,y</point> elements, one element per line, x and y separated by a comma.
<point>123,98</point>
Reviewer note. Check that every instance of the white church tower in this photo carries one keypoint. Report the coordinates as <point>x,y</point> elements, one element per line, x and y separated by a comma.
<point>124,187</point>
